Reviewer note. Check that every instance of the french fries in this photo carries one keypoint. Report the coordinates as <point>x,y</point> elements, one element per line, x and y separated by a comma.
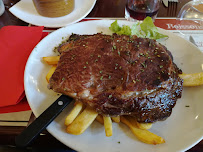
<point>108,126</point>
<point>49,74</point>
<point>139,125</point>
<point>81,117</point>
<point>51,60</point>
<point>82,122</point>
<point>116,119</point>
<point>144,125</point>
<point>74,113</point>
<point>100,119</point>
<point>194,79</point>
<point>143,135</point>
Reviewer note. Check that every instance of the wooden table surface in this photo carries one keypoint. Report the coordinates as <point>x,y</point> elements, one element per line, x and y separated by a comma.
<point>103,8</point>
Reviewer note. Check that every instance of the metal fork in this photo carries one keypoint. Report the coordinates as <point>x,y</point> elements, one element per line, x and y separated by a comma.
<point>172,8</point>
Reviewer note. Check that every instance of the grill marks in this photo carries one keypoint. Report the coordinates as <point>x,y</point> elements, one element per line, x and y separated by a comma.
<point>121,74</point>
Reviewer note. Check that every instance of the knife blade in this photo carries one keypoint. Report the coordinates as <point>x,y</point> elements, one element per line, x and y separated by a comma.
<point>165,2</point>
<point>40,123</point>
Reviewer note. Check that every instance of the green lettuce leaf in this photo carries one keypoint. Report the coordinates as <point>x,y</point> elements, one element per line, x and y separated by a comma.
<point>145,29</point>
<point>150,30</point>
<point>125,30</point>
<point>115,27</point>
<point>136,30</point>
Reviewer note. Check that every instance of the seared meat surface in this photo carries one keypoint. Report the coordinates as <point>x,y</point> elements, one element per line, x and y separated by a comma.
<point>119,75</point>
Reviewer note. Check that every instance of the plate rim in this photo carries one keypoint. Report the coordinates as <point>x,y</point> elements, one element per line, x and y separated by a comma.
<point>50,130</point>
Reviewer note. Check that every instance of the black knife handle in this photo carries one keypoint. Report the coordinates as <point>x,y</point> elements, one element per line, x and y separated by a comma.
<point>40,123</point>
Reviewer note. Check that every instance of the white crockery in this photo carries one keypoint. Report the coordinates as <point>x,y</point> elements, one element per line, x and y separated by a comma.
<point>182,130</point>
<point>26,11</point>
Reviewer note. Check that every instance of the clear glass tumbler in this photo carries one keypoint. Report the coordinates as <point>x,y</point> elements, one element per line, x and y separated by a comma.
<point>190,16</point>
<point>140,9</point>
<point>192,10</point>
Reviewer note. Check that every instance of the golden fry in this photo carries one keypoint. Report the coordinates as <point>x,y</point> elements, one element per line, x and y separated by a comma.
<point>108,126</point>
<point>116,119</point>
<point>144,125</point>
<point>49,74</point>
<point>51,60</point>
<point>139,125</point>
<point>74,113</point>
<point>82,122</point>
<point>100,119</point>
<point>194,79</point>
<point>143,135</point>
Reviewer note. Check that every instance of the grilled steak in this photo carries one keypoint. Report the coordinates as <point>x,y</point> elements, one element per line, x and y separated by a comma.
<point>119,75</point>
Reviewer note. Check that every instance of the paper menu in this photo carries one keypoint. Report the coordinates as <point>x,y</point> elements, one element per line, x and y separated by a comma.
<point>197,36</point>
<point>181,28</point>
<point>184,29</point>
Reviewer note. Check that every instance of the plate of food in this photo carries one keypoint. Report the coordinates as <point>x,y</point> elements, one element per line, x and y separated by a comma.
<point>25,10</point>
<point>131,93</point>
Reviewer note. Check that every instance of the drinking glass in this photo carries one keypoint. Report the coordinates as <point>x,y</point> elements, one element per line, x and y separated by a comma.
<point>190,17</point>
<point>2,8</point>
<point>54,8</point>
<point>192,10</point>
<point>140,9</point>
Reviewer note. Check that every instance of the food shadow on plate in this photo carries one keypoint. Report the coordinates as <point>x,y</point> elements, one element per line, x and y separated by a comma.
<point>126,130</point>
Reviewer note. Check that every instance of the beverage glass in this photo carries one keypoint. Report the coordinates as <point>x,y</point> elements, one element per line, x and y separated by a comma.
<point>190,16</point>
<point>192,10</point>
<point>54,8</point>
<point>140,9</point>
<point>2,8</point>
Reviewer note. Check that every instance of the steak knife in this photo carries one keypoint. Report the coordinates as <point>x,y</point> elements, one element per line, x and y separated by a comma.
<point>40,123</point>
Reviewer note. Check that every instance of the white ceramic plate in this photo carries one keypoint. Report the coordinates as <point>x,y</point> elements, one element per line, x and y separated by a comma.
<point>182,130</point>
<point>26,11</point>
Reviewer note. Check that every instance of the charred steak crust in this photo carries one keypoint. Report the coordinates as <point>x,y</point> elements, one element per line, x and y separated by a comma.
<point>119,75</point>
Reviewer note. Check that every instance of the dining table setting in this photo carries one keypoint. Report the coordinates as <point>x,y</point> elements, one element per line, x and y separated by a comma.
<point>35,118</point>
